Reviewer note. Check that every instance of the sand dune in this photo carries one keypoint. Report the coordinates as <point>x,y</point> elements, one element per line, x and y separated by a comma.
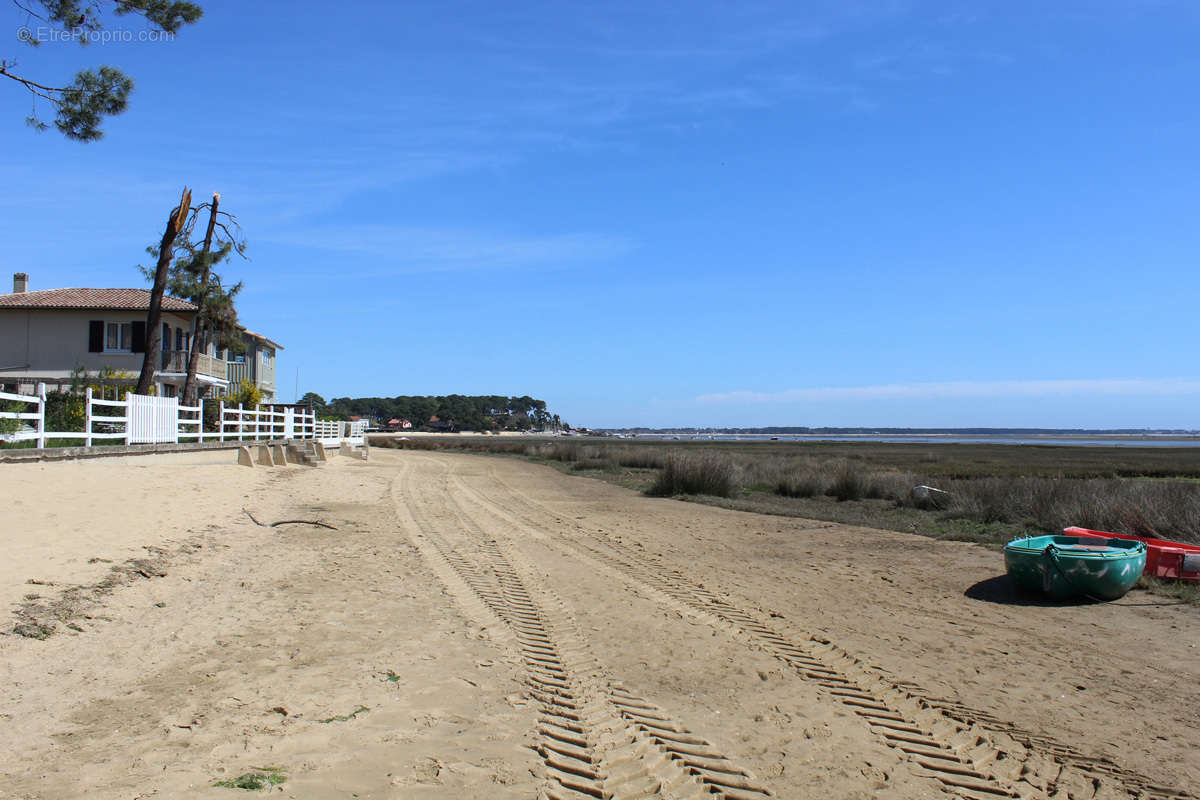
<point>483,627</point>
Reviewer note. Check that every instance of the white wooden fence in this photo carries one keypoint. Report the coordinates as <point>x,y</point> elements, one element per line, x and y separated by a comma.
<point>239,423</point>
<point>143,420</point>
<point>333,433</point>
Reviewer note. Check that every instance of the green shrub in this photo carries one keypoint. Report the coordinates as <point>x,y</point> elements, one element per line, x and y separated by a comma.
<point>12,425</point>
<point>65,412</point>
<point>247,393</point>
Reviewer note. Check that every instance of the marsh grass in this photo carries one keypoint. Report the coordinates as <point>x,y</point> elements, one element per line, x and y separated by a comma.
<point>694,473</point>
<point>638,457</point>
<point>1184,592</point>
<point>993,491</point>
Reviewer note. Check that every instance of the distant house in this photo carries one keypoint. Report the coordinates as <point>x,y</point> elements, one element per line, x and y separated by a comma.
<point>438,424</point>
<point>45,335</point>
<point>398,425</point>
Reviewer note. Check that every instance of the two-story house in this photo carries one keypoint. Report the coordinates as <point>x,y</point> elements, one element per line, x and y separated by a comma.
<point>46,335</point>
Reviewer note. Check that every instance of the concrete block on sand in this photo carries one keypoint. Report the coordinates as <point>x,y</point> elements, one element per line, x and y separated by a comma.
<point>319,450</point>
<point>264,456</point>
<point>278,455</point>
<point>244,457</point>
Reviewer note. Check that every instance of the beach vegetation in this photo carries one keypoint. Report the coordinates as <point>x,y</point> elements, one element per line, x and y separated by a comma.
<point>345,717</point>
<point>257,780</point>
<point>698,472</point>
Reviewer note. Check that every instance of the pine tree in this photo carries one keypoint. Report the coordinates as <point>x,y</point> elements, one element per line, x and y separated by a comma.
<point>191,277</point>
<point>82,105</point>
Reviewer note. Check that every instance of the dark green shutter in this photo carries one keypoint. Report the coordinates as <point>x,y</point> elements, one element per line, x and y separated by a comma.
<point>139,337</point>
<point>96,336</point>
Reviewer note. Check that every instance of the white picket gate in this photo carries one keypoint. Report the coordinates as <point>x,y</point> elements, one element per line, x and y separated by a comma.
<point>151,420</point>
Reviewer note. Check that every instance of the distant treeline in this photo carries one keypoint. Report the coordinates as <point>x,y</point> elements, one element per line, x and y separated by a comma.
<point>799,431</point>
<point>455,412</point>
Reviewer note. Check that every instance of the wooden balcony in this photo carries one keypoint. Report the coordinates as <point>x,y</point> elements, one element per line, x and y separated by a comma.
<point>176,361</point>
<point>263,376</point>
<point>235,371</point>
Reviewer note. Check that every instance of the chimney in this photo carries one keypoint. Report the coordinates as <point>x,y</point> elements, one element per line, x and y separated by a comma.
<point>20,283</point>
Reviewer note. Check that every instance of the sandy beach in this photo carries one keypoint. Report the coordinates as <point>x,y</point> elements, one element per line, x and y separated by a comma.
<point>481,627</point>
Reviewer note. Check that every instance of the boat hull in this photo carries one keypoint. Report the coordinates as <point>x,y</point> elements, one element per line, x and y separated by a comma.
<point>1164,559</point>
<point>1071,567</point>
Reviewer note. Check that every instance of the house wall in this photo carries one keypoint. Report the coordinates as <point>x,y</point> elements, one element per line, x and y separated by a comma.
<point>263,358</point>
<point>259,367</point>
<point>52,343</point>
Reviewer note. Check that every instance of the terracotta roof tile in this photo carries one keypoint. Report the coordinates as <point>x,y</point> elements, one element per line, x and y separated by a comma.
<point>90,299</point>
<point>266,339</point>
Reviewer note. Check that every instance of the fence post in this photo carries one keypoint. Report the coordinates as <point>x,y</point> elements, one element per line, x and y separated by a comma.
<point>221,419</point>
<point>241,423</point>
<point>87,418</point>
<point>129,413</point>
<point>41,426</point>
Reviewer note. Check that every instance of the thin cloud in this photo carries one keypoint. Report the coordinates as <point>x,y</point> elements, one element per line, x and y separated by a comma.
<point>437,250</point>
<point>1134,387</point>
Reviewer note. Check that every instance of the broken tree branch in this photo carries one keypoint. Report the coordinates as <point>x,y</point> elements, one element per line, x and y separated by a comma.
<point>318,523</point>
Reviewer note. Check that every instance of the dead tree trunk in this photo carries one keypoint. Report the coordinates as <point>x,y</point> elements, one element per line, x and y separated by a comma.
<point>154,318</point>
<point>189,383</point>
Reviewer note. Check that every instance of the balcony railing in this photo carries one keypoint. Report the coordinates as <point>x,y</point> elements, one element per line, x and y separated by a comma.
<point>235,371</point>
<point>176,361</point>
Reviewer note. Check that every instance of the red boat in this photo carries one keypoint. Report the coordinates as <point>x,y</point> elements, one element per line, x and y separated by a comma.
<point>1170,560</point>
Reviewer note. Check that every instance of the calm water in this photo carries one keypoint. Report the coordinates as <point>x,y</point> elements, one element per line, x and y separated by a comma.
<point>1124,441</point>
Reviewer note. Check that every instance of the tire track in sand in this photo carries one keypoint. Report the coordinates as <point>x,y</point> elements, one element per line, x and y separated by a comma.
<point>909,719</point>
<point>596,738</point>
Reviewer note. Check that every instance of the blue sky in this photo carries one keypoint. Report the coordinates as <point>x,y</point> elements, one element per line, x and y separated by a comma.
<point>885,213</point>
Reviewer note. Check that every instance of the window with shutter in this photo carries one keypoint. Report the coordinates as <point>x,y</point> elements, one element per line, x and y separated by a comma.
<point>96,336</point>
<point>118,337</point>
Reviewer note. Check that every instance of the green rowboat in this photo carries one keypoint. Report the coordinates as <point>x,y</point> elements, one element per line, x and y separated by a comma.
<point>1066,567</point>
